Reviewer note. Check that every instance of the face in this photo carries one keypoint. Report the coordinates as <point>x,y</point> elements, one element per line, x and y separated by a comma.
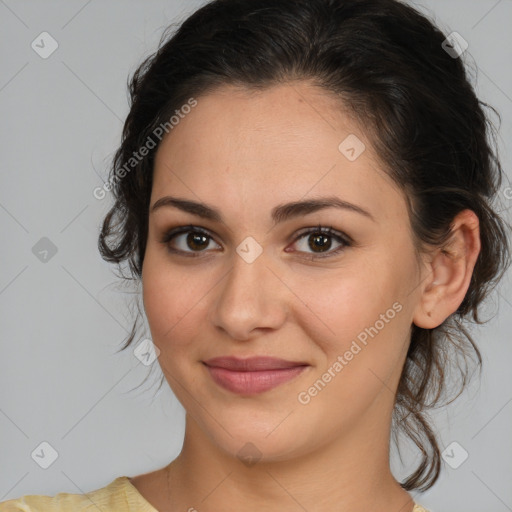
<point>256,281</point>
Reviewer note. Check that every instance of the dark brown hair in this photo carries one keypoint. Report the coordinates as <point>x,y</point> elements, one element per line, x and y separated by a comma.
<point>387,63</point>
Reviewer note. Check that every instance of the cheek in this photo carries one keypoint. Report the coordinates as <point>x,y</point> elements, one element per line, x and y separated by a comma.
<point>168,296</point>
<point>361,317</point>
<point>364,355</point>
<point>176,299</point>
<point>349,302</point>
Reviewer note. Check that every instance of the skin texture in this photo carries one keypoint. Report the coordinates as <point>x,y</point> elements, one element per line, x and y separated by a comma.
<point>244,153</point>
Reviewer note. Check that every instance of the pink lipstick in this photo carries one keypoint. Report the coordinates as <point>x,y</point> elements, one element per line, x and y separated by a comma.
<point>252,375</point>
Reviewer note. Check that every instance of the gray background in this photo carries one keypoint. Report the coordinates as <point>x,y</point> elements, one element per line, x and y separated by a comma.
<point>61,380</point>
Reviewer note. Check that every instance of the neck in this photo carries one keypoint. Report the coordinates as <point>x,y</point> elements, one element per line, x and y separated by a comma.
<point>349,474</point>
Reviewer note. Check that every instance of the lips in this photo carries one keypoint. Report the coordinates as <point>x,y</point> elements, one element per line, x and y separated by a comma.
<point>253,375</point>
<point>252,364</point>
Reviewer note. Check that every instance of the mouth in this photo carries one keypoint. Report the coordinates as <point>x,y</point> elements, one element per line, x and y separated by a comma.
<point>253,375</point>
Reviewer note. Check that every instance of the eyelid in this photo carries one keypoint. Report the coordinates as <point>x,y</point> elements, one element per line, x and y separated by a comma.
<point>321,228</point>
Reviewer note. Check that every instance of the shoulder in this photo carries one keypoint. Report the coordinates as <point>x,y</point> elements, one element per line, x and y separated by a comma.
<point>417,508</point>
<point>120,495</point>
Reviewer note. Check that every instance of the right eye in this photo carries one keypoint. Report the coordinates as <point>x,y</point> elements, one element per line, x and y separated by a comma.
<point>190,237</point>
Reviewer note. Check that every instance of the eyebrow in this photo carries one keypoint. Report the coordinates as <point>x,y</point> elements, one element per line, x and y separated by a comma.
<point>280,213</point>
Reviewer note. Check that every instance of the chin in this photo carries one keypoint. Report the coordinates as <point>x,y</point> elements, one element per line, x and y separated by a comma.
<point>251,439</point>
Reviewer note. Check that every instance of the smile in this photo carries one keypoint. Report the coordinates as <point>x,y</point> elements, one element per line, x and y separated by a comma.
<point>254,375</point>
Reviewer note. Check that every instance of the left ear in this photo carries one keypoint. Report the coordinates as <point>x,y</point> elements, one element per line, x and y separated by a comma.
<point>450,272</point>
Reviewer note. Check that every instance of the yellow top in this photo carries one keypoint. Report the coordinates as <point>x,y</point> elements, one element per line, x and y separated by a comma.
<point>119,496</point>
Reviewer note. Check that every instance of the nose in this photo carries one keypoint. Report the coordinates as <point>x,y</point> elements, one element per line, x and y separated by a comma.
<point>251,297</point>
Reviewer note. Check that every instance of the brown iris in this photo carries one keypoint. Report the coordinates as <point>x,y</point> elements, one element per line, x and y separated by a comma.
<point>321,240</point>
<point>197,240</point>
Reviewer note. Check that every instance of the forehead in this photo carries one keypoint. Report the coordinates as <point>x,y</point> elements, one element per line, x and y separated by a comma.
<point>244,150</point>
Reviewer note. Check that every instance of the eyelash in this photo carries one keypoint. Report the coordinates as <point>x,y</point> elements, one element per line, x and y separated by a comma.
<point>340,237</point>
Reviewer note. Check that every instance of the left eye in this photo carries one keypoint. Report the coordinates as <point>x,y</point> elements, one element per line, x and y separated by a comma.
<point>321,238</point>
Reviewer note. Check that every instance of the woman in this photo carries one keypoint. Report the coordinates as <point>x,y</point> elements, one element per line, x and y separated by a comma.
<point>304,188</point>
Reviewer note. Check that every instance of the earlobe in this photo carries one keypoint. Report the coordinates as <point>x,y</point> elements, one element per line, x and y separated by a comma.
<point>449,273</point>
